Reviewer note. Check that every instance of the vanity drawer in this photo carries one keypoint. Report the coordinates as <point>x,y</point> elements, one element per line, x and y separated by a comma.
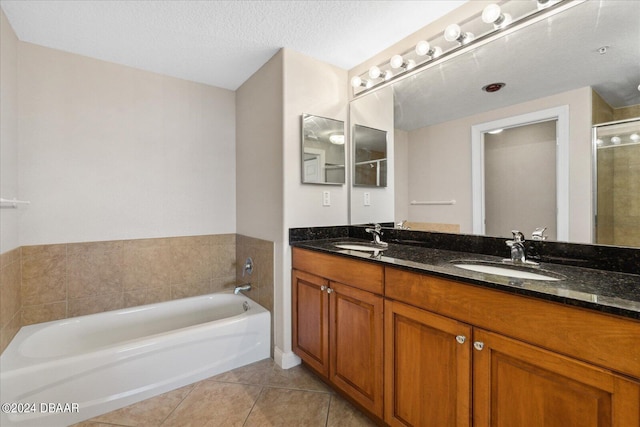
<point>601,339</point>
<point>359,274</point>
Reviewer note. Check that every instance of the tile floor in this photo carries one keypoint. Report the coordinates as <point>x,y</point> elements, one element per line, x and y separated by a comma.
<point>260,394</point>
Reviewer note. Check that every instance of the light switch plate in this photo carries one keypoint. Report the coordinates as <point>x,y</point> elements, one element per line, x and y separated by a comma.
<point>367,199</point>
<point>326,198</point>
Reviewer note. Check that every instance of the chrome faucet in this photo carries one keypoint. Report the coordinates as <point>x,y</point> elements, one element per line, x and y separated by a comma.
<point>401,225</point>
<point>245,287</point>
<point>376,231</point>
<point>517,247</point>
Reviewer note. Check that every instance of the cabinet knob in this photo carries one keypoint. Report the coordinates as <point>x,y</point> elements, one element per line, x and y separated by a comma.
<point>478,345</point>
<point>329,290</point>
<point>461,339</point>
<point>323,288</point>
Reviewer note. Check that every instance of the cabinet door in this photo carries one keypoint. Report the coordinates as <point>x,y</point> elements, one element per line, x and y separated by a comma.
<point>427,368</point>
<point>516,384</point>
<point>356,348</point>
<point>310,313</point>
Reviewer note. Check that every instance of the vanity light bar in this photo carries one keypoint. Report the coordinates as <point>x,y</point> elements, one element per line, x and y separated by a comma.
<point>429,53</point>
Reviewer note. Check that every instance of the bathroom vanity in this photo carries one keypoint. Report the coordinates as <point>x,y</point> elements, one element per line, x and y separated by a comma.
<point>414,340</point>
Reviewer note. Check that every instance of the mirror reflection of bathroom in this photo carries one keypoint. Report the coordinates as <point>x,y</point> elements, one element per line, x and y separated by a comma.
<point>520,179</point>
<point>617,198</point>
<point>370,154</point>
<point>323,150</point>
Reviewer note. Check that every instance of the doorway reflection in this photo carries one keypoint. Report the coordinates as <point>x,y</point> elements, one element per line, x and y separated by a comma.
<point>520,179</point>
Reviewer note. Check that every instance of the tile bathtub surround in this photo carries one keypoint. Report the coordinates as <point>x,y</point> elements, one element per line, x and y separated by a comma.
<point>10,296</point>
<point>74,279</point>
<point>260,394</point>
<point>262,286</point>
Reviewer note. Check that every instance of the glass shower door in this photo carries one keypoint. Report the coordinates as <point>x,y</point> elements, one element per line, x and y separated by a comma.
<point>617,183</point>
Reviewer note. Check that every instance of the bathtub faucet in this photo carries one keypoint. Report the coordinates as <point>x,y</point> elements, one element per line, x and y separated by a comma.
<point>245,287</point>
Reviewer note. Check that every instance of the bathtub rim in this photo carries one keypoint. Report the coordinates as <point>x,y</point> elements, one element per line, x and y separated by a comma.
<point>13,362</point>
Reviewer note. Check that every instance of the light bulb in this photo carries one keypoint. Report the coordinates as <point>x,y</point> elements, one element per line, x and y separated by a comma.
<point>374,72</point>
<point>368,84</point>
<point>336,138</point>
<point>437,51</point>
<point>356,81</point>
<point>635,137</point>
<point>411,64</point>
<point>543,4</point>
<point>396,61</point>
<point>493,15</point>
<point>599,141</point>
<point>422,48</point>
<point>615,140</point>
<point>452,32</point>
<point>387,75</point>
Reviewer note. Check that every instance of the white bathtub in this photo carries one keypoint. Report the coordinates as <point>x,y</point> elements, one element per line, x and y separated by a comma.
<point>94,364</point>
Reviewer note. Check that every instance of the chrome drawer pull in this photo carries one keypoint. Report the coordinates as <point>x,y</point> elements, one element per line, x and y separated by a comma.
<point>478,345</point>
<point>461,339</point>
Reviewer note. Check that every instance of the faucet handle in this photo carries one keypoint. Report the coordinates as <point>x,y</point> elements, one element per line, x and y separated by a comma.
<point>538,234</point>
<point>518,237</point>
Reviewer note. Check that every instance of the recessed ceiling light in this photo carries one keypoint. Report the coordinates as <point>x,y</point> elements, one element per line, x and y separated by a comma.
<point>493,87</point>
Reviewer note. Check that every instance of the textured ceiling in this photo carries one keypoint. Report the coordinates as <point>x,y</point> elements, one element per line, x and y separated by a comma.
<point>221,43</point>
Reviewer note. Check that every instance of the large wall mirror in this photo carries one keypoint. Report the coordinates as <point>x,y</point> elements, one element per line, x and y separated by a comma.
<point>583,60</point>
<point>323,150</point>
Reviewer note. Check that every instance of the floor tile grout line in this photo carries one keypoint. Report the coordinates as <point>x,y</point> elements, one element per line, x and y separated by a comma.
<point>262,384</point>
<point>180,403</point>
<point>253,406</point>
<point>326,421</point>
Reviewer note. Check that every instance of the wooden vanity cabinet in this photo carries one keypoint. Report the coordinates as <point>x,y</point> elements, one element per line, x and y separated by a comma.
<point>516,384</point>
<point>427,368</point>
<point>525,362</point>
<point>338,325</point>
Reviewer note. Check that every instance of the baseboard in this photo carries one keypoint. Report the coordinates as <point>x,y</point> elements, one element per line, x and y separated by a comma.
<point>285,360</point>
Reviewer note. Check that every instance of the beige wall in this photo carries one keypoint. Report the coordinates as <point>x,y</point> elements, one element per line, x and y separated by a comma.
<point>310,86</point>
<point>108,152</point>
<point>401,167</point>
<point>440,164</point>
<point>259,167</point>
<point>10,274</point>
<point>9,237</point>
<point>376,111</point>
<point>270,196</point>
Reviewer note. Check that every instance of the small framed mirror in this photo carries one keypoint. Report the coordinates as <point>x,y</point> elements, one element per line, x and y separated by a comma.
<point>323,150</point>
<point>370,157</point>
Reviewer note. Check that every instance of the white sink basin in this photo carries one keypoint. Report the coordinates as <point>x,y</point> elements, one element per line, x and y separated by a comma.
<point>505,271</point>
<point>359,247</point>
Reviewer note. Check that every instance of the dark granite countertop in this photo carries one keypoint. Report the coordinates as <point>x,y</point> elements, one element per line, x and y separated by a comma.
<point>601,290</point>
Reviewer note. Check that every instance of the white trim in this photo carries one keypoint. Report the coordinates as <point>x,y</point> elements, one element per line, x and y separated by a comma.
<point>561,114</point>
<point>285,360</point>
